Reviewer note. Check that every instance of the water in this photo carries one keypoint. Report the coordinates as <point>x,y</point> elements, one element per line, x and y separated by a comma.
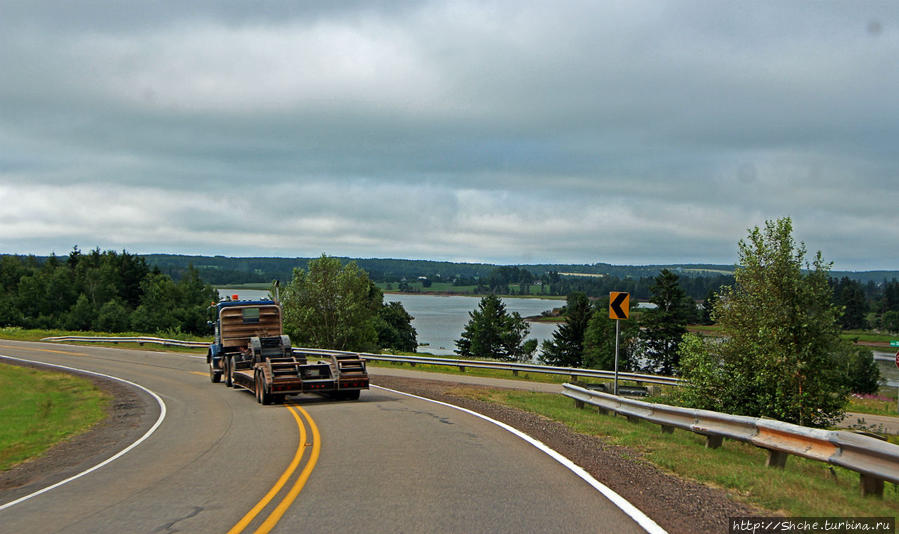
<point>439,320</point>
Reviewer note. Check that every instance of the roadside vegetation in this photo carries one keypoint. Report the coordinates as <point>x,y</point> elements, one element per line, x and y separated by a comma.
<point>42,408</point>
<point>803,488</point>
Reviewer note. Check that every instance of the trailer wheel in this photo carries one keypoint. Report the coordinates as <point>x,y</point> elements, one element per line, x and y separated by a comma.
<point>265,396</point>
<point>229,366</point>
<point>215,376</point>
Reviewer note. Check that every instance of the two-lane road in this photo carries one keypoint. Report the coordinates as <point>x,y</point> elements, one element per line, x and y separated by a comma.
<point>387,463</point>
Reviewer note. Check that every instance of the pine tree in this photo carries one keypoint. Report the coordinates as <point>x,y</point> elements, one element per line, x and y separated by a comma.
<point>567,345</point>
<point>665,325</point>
<point>491,332</point>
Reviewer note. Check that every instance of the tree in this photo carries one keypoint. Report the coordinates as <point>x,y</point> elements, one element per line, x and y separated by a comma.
<point>665,325</point>
<point>850,295</point>
<point>599,341</point>
<point>395,329</point>
<point>332,307</point>
<point>112,317</point>
<point>567,345</point>
<point>491,332</point>
<point>708,306</point>
<point>780,354</point>
<point>859,368</point>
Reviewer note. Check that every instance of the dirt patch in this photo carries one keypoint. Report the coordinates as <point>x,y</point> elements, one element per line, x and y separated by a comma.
<point>130,414</point>
<point>677,505</point>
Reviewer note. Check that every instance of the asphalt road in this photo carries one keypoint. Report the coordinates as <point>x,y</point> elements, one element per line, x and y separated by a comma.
<point>387,463</point>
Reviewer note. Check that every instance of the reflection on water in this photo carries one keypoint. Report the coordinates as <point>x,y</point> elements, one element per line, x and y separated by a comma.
<point>439,320</point>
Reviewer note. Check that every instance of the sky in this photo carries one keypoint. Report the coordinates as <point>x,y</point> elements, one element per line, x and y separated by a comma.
<point>634,132</point>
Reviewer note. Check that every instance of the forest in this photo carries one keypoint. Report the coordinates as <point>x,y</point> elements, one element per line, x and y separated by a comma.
<point>114,291</point>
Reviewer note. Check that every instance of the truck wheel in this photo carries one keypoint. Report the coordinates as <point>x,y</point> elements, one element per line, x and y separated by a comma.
<point>215,376</point>
<point>229,378</point>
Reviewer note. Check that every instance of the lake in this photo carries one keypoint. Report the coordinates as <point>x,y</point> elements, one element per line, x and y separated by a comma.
<point>439,320</point>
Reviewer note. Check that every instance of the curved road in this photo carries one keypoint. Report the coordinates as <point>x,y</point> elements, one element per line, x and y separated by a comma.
<point>387,463</point>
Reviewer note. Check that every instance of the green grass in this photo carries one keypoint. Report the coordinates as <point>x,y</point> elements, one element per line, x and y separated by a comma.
<point>24,334</point>
<point>487,373</point>
<point>803,488</point>
<point>884,403</point>
<point>868,336</point>
<point>41,408</point>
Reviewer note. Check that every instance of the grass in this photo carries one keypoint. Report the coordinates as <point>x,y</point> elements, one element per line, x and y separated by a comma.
<point>42,408</point>
<point>24,334</point>
<point>487,373</point>
<point>803,488</point>
<point>879,404</point>
<point>868,336</point>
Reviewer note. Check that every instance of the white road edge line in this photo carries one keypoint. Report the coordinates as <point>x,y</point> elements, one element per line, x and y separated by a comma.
<point>162,411</point>
<point>638,516</point>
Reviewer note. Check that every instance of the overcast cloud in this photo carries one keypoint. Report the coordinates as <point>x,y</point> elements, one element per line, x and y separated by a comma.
<point>509,132</point>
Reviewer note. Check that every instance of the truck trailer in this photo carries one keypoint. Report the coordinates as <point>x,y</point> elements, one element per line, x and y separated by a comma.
<point>251,351</point>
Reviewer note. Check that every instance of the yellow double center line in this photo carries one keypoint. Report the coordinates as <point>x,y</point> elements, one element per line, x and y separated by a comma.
<point>288,499</point>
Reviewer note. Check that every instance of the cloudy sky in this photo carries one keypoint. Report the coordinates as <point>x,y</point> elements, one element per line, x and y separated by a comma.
<point>511,132</point>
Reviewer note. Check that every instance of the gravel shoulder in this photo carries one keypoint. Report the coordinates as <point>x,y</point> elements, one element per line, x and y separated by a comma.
<point>677,505</point>
<point>130,413</point>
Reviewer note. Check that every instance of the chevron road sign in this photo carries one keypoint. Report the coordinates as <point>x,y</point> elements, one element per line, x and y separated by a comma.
<point>619,305</point>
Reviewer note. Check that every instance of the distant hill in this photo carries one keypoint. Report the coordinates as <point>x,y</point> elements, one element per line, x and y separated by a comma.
<point>227,270</point>
<point>222,270</point>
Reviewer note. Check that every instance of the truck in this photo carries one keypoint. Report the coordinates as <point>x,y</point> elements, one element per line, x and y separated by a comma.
<point>251,351</point>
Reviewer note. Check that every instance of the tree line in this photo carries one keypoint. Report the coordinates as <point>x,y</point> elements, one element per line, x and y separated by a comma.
<point>102,291</point>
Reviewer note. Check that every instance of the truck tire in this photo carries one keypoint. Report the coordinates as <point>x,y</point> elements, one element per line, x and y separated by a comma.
<point>215,376</point>
<point>263,395</point>
<point>229,365</point>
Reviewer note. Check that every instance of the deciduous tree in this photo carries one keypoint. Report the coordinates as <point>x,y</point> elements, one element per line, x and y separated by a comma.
<point>331,307</point>
<point>780,357</point>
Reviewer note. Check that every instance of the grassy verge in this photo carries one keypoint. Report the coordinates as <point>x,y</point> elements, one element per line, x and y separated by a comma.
<point>803,488</point>
<point>879,404</point>
<point>867,336</point>
<point>24,334</point>
<point>487,373</point>
<point>41,408</point>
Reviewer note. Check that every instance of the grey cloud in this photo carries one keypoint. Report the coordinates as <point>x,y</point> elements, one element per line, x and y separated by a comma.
<point>498,131</point>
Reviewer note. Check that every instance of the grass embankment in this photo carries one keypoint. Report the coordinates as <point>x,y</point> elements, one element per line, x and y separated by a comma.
<point>42,408</point>
<point>803,488</point>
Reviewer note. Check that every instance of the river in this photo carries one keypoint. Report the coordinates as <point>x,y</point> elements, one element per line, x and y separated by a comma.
<point>439,320</point>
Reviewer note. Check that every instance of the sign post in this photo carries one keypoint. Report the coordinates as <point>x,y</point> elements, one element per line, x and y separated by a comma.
<point>619,308</point>
<point>897,389</point>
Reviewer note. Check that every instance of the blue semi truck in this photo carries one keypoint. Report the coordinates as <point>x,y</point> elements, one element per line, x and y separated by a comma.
<point>251,351</point>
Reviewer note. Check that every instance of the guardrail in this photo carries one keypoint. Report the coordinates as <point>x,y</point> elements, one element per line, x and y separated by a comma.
<point>875,460</point>
<point>514,367</point>
<point>139,340</point>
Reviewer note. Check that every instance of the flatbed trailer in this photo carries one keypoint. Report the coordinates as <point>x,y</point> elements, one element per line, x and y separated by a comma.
<point>251,352</point>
